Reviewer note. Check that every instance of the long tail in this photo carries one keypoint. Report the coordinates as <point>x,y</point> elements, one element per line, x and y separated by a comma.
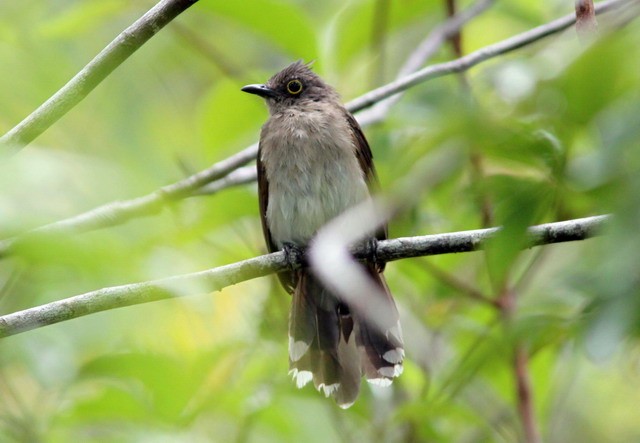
<point>334,347</point>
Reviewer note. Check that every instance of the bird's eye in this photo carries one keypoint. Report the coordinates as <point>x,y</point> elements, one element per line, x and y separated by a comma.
<point>294,87</point>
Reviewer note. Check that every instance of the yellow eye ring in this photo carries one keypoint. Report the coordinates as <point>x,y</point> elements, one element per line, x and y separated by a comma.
<point>294,87</point>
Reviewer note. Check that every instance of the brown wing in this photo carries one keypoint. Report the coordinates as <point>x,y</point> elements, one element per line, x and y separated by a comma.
<point>365,158</point>
<point>363,152</point>
<point>263,199</point>
<point>288,279</point>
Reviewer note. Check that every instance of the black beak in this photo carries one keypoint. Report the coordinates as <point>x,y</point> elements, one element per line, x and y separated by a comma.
<point>261,90</point>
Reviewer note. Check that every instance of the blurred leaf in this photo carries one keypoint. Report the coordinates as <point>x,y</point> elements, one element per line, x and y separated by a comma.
<point>598,78</point>
<point>284,24</point>
<point>109,403</point>
<point>80,19</point>
<point>519,203</point>
<point>222,124</point>
<point>168,384</point>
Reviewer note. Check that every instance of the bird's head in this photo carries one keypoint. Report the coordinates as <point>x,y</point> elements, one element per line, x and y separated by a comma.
<point>295,86</point>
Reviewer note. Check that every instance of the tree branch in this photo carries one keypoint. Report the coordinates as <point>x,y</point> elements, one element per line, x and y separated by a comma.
<point>218,278</point>
<point>242,176</point>
<point>93,73</point>
<point>119,212</point>
<point>468,241</point>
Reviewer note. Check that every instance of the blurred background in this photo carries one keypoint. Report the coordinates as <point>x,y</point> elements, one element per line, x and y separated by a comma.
<point>549,132</point>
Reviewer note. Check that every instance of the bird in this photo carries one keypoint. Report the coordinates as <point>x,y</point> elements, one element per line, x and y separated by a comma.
<point>314,163</point>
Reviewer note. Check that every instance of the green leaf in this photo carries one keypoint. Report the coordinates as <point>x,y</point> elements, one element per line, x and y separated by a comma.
<point>282,23</point>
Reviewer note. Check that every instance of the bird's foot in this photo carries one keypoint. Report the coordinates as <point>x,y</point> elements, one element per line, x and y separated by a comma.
<point>370,247</point>
<point>295,255</point>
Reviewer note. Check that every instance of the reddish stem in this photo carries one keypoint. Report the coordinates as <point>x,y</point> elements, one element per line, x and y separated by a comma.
<point>507,304</point>
<point>525,396</point>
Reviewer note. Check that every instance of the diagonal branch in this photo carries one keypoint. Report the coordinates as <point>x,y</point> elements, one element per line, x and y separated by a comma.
<point>423,52</point>
<point>240,176</point>
<point>118,212</point>
<point>93,73</point>
<point>218,278</point>
<point>474,58</point>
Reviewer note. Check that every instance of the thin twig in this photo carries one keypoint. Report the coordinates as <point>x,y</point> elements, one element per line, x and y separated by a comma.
<point>507,302</point>
<point>481,197</point>
<point>93,74</point>
<point>218,278</point>
<point>459,285</point>
<point>238,177</point>
<point>525,278</point>
<point>206,47</point>
<point>455,39</point>
<point>455,381</point>
<point>525,396</point>
<point>119,212</point>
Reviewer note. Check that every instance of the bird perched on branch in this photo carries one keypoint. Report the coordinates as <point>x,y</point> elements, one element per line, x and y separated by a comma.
<point>314,163</point>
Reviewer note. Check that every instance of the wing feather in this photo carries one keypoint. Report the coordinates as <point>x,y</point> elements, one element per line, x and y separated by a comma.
<point>288,279</point>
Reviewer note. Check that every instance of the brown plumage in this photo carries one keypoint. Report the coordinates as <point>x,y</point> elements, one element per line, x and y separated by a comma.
<point>314,162</point>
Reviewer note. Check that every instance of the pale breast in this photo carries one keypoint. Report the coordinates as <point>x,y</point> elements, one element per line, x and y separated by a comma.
<point>312,170</point>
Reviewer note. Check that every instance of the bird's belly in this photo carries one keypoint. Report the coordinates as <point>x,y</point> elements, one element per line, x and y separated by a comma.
<point>299,207</point>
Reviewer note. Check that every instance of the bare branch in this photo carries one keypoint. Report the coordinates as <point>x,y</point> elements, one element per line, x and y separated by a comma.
<point>119,212</point>
<point>93,73</point>
<point>137,293</point>
<point>467,241</point>
<point>218,278</point>
<point>238,177</point>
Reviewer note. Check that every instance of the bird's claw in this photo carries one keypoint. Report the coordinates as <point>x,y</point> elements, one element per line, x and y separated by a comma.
<point>294,254</point>
<point>371,253</point>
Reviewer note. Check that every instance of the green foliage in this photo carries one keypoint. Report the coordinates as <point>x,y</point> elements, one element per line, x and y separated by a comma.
<point>547,133</point>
